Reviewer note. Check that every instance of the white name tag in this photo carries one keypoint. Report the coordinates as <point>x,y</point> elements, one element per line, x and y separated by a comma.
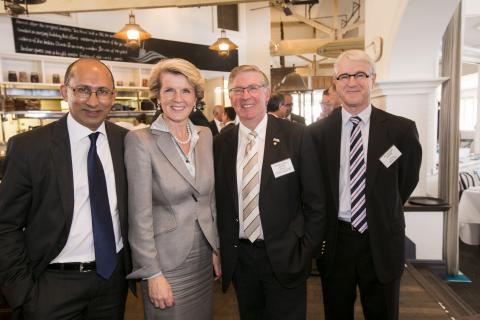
<point>282,168</point>
<point>390,156</point>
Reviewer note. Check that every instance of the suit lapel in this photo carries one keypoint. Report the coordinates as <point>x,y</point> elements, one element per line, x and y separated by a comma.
<point>115,142</point>
<point>230,160</point>
<point>201,150</point>
<point>167,147</point>
<point>62,162</point>
<point>377,142</point>
<point>271,153</point>
<point>333,142</point>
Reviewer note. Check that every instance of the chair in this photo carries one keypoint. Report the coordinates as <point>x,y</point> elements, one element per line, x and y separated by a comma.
<point>465,181</point>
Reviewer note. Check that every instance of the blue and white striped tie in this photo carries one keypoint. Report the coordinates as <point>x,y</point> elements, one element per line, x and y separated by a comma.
<point>357,178</point>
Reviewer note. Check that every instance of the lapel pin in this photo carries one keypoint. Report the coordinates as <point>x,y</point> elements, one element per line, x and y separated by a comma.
<point>276,141</point>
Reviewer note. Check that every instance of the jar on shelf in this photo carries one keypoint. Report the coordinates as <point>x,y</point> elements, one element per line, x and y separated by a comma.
<point>144,82</point>
<point>55,78</point>
<point>22,76</point>
<point>12,76</point>
<point>119,83</point>
<point>34,78</point>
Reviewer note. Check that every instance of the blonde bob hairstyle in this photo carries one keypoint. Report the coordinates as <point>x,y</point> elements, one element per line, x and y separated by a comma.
<point>176,66</point>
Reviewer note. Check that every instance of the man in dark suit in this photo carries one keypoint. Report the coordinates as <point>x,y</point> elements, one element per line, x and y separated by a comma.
<point>371,159</point>
<point>63,212</point>
<point>228,119</point>
<point>270,209</point>
<point>216,124</point>
<point>288,103</point>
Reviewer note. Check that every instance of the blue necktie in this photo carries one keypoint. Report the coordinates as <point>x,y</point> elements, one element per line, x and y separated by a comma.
<point>103,236</point>
<point>357,178</point>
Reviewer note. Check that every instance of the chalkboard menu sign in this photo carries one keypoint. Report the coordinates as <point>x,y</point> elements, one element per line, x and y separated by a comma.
<point>42,38</point>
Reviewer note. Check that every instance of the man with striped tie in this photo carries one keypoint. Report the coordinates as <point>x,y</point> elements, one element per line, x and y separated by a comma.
<point>371,159</point>
<point>270,207</point>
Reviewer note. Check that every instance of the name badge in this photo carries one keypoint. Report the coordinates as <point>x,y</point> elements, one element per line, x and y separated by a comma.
<point>390,156</point>
<point>282,168</point>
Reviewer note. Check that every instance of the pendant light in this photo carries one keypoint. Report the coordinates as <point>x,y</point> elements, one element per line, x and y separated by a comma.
<point>223,45</point>
<point>132,33</point>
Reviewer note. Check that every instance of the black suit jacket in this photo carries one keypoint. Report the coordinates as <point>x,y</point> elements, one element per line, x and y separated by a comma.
<point>387,189</point>
<point>292,208</point>
<point>36,203</point>
<point>296,118</point>
<point>213,127</point>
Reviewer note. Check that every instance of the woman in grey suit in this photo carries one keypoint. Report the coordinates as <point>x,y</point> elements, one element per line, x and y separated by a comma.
<point>172,228</point>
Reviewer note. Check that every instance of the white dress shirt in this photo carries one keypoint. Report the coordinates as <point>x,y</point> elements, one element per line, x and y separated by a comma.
<point>188,159</point>
<point>79,246</point>
<point>219,124</point>
<point>344,209</point>
<point>243,131</point>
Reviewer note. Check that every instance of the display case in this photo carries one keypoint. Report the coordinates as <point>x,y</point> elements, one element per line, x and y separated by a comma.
<point>30,91</point>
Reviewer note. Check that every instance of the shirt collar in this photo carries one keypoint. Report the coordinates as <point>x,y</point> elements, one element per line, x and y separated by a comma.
<point>161,125</point>
<point>364,115</point>
<point>260,129</point>
<point>77,131</point>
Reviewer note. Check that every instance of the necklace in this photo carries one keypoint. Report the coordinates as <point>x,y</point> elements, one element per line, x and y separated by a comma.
<point>184,141</point>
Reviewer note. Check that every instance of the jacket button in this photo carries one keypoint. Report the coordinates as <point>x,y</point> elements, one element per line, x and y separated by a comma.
<point>236,219</point>
<point>235,246</point>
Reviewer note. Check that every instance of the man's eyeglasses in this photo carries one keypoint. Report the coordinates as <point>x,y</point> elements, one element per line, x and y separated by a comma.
<point>84,93</point>
<point>359,76</point>
<point>253,90</point>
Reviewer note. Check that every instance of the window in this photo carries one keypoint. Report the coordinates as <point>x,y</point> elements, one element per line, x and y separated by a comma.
<point>468,113</point>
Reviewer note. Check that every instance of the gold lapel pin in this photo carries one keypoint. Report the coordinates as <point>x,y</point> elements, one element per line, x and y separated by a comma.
<point>276,141</point>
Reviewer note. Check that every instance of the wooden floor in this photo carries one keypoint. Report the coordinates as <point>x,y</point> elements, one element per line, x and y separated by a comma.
<point>415,302</point>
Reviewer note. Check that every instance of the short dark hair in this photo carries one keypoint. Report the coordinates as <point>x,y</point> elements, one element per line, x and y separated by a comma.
<point>69,74</point>
<point>230,113</point>
<point>274,103</point>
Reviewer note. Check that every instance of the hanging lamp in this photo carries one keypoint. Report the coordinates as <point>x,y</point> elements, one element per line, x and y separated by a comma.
<point>132,33</point>
<point>223,45</point>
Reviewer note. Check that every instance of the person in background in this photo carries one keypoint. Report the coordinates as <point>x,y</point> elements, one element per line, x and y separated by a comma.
<point>216,124</point>
<point>197,117</point>
<point>269,202</point>
<point>371,159</point>
<point>63,211</point>
<point>173,234</point>
<point>330,101</point>
<point>229,116</point>
<point>289,105</point>
<point>140,122</point>
<point>276,106</point>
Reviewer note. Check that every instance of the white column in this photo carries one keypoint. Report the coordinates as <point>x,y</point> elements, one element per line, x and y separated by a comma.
<point>476,140</point>
<point>415,100</point>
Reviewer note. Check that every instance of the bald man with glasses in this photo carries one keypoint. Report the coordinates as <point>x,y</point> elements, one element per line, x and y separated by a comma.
<point>63,210</point>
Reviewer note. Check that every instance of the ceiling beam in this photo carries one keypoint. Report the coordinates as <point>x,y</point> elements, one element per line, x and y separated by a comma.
<point>352,26</point>
<point>304,58</point>
<point>317,25</point>
<point>304,46</point>
<point>62,6</point>
<point>297,47</point>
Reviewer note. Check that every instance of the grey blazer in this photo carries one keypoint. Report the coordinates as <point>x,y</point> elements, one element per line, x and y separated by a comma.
<point>164,200</point>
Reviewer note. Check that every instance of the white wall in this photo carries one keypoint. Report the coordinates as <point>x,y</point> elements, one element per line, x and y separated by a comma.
<point>193,25</point>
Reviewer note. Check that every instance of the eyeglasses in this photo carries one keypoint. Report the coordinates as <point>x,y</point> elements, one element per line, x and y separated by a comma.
<point>84,93</point>
<point>359,76</point>
<point>253,90</point>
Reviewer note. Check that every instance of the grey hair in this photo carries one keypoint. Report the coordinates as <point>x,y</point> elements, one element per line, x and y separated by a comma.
<point>247,68</point>
<point>354,55</point>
